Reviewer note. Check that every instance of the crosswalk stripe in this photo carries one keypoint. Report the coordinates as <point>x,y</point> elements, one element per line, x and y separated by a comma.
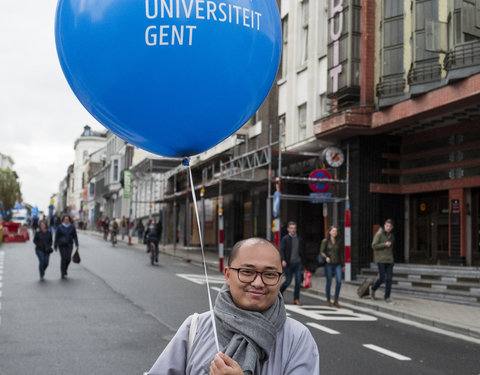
<point>323,328</point>
<point>387,352</point>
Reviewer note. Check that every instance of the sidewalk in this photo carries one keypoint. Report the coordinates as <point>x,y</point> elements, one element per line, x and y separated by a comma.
<point>453,319</point>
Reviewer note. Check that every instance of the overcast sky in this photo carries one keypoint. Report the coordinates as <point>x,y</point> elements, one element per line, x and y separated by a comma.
<point>40,117</point>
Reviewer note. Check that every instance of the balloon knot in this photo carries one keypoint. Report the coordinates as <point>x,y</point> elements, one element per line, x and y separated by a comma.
<point>186,162</point>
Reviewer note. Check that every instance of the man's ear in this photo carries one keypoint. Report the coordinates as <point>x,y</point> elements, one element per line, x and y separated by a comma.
<point>227,273</point>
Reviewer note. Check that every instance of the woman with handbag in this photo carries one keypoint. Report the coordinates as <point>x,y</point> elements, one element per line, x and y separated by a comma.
<point>332,250</point>
<point>43,247</point>
<point>65,236</point>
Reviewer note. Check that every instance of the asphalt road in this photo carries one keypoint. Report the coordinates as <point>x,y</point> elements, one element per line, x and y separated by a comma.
<point>115,313</point>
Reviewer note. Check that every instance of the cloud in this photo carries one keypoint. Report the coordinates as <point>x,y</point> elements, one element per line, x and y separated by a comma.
<point>40,117</point>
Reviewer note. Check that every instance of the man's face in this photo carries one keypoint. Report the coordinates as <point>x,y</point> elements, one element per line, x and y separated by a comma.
<point>388,227</point>
<point>254,296</point>
<point>292,229</point>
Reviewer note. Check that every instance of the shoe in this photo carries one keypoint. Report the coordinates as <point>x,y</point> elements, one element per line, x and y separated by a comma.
<point>372,293</point>
<point>329,304</point>
<point>297,302</point>
<point>389,301</point>
<point>336,304</point>
<point>156,259</point>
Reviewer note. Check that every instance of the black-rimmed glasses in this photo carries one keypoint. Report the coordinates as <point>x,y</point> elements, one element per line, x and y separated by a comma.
<point>247,275</point>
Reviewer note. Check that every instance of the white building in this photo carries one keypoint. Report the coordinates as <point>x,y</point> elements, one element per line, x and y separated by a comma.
<point>88,142</point>
<point>302,83</point>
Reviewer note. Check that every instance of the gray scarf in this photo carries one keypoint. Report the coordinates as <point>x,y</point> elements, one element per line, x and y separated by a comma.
<point>246,336</point>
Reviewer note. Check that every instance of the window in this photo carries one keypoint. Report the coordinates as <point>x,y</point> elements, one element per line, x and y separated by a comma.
<point>322,25</point>
<point>115,170</point>
<point>424,10</point>
<point>285,47</point>
<point>92,188</point>
<point>302,121</point>
<point>85,154</point>
<point>304,33</point>
<point>281,130</point>
<point>393,38</point>
<point>392,82</point>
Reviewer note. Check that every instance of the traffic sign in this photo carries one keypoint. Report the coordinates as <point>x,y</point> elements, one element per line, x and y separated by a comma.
<point>321,174</point>
<point>276,204</point>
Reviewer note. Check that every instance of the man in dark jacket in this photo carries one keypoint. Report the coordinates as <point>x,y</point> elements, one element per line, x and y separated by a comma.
<point>65,236</point>
<point>383,246</point>
<point>292,249</point>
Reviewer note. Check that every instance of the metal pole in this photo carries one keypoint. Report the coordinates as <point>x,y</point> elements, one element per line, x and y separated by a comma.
<point>174,226</point>
<point>220,228</point>
<point>348,236</point>
<point>269,176</point>
<point>202,218</point>
<point>277,219</point>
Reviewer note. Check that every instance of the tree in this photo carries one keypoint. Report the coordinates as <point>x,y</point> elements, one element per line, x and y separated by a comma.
<point>9,190</point>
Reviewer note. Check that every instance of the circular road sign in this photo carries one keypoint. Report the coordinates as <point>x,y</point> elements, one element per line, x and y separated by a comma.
<point>320,174</point>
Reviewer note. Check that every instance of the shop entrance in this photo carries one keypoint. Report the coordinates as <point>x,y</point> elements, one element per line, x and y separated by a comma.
<point>429,228</point>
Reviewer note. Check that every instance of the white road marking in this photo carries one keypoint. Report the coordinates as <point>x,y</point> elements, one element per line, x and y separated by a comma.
<point>387,352</point>
<point>323,328</point>
<point>200,279</point>
<point>328,313</point>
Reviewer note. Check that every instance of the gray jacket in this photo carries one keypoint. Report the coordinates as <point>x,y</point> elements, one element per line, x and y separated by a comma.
<point>295,351</point>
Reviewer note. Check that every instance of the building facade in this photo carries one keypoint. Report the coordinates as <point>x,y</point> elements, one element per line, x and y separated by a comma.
<point>411,124</point>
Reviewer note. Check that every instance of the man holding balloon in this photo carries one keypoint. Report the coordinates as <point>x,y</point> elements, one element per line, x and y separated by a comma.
<point>255,335</point>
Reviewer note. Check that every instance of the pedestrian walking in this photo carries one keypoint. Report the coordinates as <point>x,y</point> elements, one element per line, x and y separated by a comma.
<point>106,228</point>
<point>43,247</point>
<point>65,237</point>
<point>332,250</point>
<point>123,227</point>
<point>292,250</point>
<point>140,228</point>
<point>255,335</point>
<point>382,244</point>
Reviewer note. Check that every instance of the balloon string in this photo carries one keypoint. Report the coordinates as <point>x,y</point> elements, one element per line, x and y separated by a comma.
<point>204,261</point>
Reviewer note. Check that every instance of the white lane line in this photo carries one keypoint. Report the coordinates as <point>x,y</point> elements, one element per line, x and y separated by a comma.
<point>323,328</point>
<point>387,352</point>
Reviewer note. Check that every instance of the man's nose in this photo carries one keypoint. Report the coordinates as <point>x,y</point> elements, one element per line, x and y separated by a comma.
<point>257,281</point>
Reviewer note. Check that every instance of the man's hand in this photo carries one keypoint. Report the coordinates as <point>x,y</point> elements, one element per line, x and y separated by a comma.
<point>222,364</point>
<point>328,260</point>
<point>284,264</point>
<point>388,244</point>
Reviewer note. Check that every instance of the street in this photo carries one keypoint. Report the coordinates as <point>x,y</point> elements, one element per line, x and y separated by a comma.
<point>115,313</point>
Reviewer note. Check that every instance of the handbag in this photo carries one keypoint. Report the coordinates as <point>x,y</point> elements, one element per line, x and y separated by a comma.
<point>76,257</point>
<point>307,279</point>
<point>48,250</point>
<point>320,260</point>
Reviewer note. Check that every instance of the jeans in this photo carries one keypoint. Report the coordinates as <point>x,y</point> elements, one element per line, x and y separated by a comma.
<point>329,269</point>
<point>43,259</point>
<point>385,275</point>
<point>65,258</point>
<point>155,242</point>
<point>290,271</point>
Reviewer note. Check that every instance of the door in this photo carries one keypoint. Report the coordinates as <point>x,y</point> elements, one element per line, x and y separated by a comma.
<point>429,228</point>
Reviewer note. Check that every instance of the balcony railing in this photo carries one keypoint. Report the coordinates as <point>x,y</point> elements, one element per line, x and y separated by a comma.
<point>462,56</point>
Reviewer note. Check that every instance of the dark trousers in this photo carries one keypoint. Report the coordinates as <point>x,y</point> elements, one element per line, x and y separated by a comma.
<point>43,261</point>
<point>65,258</point>
<point>385,275</point>
<point>290,271</point>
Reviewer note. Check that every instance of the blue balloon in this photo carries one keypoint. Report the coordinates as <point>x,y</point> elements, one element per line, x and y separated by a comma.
<point>174,77</point>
